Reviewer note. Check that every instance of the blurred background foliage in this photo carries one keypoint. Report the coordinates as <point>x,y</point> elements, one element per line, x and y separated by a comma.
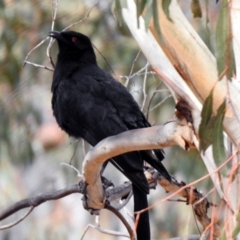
<point>32,146</point>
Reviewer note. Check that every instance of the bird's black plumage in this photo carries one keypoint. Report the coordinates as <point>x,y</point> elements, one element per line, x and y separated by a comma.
<point>88,103</point>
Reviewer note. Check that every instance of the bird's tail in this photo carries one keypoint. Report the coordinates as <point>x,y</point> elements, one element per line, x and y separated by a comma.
<point>140,203</point>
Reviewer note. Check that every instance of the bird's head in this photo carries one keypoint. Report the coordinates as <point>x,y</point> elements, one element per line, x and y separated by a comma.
<point>72,43</point>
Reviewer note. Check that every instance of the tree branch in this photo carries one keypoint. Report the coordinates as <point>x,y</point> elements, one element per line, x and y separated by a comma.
<point>191,194</point>
<point>169,134</point>
<point>35,201</point>
<point>17,221</point>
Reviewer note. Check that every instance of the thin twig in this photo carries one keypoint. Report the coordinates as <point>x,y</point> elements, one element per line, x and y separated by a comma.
<point>178,191</point>
<point>111,193</point>
<point>38,65</point>
<point>134,61</point>
<point>75,169</point>
<point>204,197</point>
<point>135,74</point>
<point>17,221</point>
<point>105,60</point>
<point>87,16</point>
<point>136,90</point>
<point>151,99</point>
<point>123,220</point>
<point>37,200</point>
<point>144,89</point>
<point>162,90</point>
<point>160,103</point>
<point>54,15</point>
<point>84,147</point>
<point>74,151</point>
<point>37,46</point>
<point>141,73</point>
<point>191,237</point>
<point>109,232</point>
<point>98,227</point>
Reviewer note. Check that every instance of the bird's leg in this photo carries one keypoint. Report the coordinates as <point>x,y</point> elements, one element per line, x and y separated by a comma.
<point>85,199</point>
<point>106,183</point>
<point>149,172</point>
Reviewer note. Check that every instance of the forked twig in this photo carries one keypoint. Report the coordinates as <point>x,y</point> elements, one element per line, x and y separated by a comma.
<point>37,46</point>
<point>75,169</point>
<point>17,221</point>
<point>123,220</point>
<point>54,15</point>
<point>106,231</point>
<point>128,78</point>
<point>39,66</point>
<point>131,71</point>
<point>83,19</point>
<point>160,103</point>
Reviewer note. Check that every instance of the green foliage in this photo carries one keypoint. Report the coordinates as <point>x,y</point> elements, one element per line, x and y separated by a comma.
<point>211,129</point>
<point>116,9</point>
<point>156,17</point>
<point>165,6</point>
<point>236,231</point>
<point>148,9</point>
<point>140,7</point>
<point>19,32</point>
<point>224,53</point>
<point>148,14</point>
<point>29,23</point>
<point>196,9</point>
<point>206,126</point>
<point>218,146</point>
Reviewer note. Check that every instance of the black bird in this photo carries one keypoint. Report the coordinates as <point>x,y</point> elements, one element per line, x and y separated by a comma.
<point>88,103</point>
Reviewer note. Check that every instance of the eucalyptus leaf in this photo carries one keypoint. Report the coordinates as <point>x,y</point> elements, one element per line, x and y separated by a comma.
<point>236,231</point>
<point>206,138</point>
<point>140,6</point>
<point>205,134</point>
<point>116,9</point>
<point>156,18</point>
<point>218,144</point>
<point>165,7</point>
<point>196,9</point>
<point>224,53</point>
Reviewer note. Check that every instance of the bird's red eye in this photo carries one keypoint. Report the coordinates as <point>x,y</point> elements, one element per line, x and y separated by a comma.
<point>74,39</point>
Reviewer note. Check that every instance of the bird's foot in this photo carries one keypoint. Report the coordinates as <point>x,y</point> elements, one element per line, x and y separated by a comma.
<point>90,203</point>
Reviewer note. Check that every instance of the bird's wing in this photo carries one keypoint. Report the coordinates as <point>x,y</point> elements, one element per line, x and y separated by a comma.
<point>125,110</point>
<point>130,114</point>
<point>94,117</point>
<point>132,117</point>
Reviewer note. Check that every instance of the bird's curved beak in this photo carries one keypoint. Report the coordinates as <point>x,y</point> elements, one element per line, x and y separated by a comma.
<point>55,34</point>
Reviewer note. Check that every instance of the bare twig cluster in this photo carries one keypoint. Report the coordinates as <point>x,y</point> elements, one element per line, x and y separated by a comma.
<point>189,193</point>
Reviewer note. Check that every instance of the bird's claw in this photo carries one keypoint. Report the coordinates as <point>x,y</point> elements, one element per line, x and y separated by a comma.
<point>85,205</point>
<point>85,199</point>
